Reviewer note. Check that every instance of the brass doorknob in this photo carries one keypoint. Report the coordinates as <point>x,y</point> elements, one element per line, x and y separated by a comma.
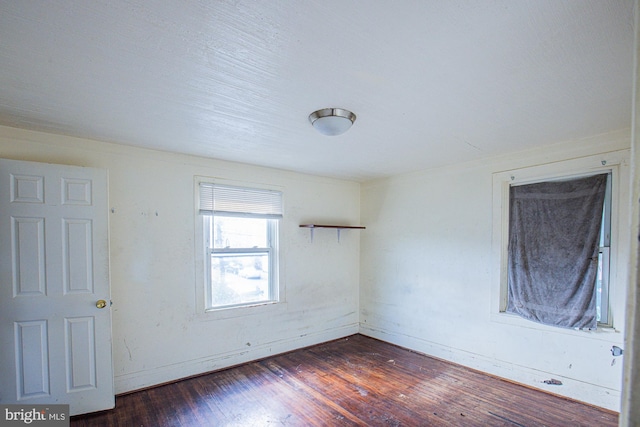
<point>101,303</point>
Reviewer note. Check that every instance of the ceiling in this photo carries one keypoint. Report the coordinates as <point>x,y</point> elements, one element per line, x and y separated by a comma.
<point>432,82</point>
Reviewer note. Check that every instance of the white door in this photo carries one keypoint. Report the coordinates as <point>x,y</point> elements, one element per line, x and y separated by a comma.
<point>55,341</point>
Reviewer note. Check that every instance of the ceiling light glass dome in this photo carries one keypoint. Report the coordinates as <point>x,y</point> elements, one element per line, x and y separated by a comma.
<point>332,121</point>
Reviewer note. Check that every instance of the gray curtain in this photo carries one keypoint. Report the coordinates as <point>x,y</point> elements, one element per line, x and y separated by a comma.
<point>554,230</point>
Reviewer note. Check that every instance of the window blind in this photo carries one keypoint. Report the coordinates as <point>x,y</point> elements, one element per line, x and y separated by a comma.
<point>240,201</point>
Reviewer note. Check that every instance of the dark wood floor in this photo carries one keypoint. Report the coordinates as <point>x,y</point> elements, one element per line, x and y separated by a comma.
<point>355,381</point>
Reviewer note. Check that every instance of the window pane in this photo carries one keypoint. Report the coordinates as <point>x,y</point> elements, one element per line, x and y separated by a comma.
<point>602,280</point>
<point>239,278</point>
<point>599,288</point>
<point>238,232</point>
<point>602,286</point>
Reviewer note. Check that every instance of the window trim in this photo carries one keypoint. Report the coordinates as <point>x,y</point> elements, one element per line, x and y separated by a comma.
<point>203,310</point>
<point>573,168</point>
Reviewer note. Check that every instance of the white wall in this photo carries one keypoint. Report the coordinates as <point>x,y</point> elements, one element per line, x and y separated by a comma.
<point>424,265</point>
<point>428,277</point>
<point>158,332</point>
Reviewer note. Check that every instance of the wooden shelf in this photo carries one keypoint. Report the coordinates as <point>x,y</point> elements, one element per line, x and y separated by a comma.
<point>359,227</point>
<point>312,227</point>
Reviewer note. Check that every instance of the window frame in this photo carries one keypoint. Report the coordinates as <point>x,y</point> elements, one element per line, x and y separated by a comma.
<point>203,309</point>
<point>573,168</point>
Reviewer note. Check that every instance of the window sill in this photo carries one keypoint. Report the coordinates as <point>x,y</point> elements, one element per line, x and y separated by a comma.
<point>602,333</point>
<point>260,308</point>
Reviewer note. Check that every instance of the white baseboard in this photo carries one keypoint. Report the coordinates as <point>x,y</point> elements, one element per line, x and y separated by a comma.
<point>571,388</point>
<point>162,374</point>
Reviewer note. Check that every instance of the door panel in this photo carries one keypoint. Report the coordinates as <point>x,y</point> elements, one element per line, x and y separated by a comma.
<point>54,267</point>
<point>80,341</point>
<point>32,355</point>
<point>77,260</point>
<point>28,256</point>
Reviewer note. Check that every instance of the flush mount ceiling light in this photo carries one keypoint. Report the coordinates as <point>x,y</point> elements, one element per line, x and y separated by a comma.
<point>332,121</point>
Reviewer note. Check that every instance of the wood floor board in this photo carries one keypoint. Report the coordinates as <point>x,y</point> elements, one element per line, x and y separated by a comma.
<point>355,381</point>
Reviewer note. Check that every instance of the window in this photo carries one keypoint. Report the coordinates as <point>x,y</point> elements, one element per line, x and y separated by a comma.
<point>557,248</point>
<point>240,236</point>
<point>612,268</point>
